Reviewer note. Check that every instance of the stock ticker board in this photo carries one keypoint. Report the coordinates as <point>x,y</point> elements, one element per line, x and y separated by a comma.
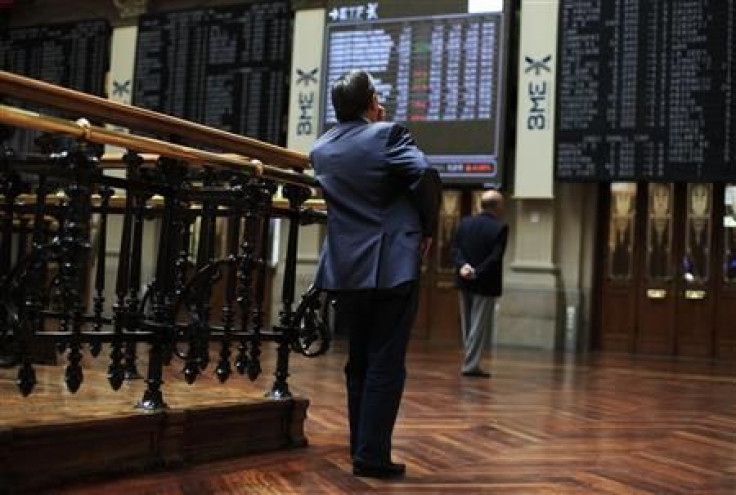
<point>73,55</point>
<point>224,67</point>
<point>438,71</point>
<point>646,90</point>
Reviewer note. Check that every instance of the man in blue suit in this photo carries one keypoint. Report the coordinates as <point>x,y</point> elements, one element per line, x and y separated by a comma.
<point>477,251</point>
<point>382,200</point>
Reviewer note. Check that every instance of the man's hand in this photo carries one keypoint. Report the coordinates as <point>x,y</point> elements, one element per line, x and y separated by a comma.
<point>381,113</point>
<point>425,246</point>
<point>467,272</point>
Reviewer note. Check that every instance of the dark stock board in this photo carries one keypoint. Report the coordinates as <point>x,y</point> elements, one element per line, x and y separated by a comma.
<point>646,90</point>
<point>225,67</point>
<point>73,55</point>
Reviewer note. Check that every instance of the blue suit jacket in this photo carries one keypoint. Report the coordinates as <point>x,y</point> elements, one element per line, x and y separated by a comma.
<point>382,197</point>
<point>480,240</point>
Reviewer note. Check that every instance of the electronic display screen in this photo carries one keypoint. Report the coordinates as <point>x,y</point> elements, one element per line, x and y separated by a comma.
<point>646,91</point>
<point>438,71</point>
<point>224,67</point>
<point>74,55</point>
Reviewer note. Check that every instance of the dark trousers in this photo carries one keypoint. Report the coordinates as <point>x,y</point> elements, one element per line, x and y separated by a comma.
<point>378,323</point>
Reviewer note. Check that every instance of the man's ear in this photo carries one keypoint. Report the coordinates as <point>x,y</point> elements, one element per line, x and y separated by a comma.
<point>374,102</point>
<point>372,112</point>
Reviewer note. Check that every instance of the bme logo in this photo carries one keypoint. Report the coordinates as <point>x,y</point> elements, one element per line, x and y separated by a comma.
<point>304,77</point>
<point>538,92</point>
<point>305,125</point>
<point>538,65</point>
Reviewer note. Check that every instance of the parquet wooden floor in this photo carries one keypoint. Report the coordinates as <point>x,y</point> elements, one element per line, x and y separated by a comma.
<point>543,424</point>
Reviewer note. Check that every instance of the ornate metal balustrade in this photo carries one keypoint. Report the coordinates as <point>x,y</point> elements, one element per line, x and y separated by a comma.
<point>202,302</point>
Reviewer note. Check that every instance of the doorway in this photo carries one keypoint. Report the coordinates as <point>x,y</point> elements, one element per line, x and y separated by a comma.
<point>437,282</point>
<point>668,277</point>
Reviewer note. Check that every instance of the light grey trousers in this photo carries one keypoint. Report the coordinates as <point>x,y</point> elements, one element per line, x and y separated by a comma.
<point>476,318</point>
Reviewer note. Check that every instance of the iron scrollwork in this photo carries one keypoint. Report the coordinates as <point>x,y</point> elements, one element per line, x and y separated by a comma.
<point>312,320</point>
<point>57,286</point>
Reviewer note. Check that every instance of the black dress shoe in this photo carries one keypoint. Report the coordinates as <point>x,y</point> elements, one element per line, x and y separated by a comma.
<point>477,374</point>
<point>391,470</point>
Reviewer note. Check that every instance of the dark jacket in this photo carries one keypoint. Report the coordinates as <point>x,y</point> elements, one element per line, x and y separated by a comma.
<point>481,241</point>
<point>382,197</point>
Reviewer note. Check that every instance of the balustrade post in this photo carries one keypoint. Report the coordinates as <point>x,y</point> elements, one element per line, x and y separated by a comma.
<point>296,196</point>
<point>121,311</point>
<point>32,291</point>
<point>266,190</point>
<point>11,311</point>
<point>224,369</point>
<point>135,311</point>
<point>199,290</point>
<point>25,309</point>
<point>181,267</point>
<point>249,203</point>
<point>74,249</point>
<point>10,189</point>
<point>99,298</point>
<point>164,286</point>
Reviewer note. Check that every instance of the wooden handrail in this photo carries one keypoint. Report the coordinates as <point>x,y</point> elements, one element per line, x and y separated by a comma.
<point>112,112</point>
<point>83,130</point>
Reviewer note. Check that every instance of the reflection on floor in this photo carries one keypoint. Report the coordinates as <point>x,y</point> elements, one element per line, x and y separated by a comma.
<point>542,424</point>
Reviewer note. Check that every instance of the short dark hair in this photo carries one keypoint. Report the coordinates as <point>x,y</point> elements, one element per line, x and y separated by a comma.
<point>352,94</point>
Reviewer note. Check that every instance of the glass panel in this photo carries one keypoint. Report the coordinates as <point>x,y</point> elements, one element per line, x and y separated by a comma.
<point>621,231</point>
<point>659,232</point>
<point>449,220</point>
<point>729,231</point>
<point>697,236</point>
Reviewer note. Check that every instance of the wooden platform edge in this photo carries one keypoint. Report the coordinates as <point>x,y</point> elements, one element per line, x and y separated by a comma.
<point>46,455</point>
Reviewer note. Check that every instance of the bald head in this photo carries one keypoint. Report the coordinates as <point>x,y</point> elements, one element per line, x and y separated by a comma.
<point>492,202</point>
